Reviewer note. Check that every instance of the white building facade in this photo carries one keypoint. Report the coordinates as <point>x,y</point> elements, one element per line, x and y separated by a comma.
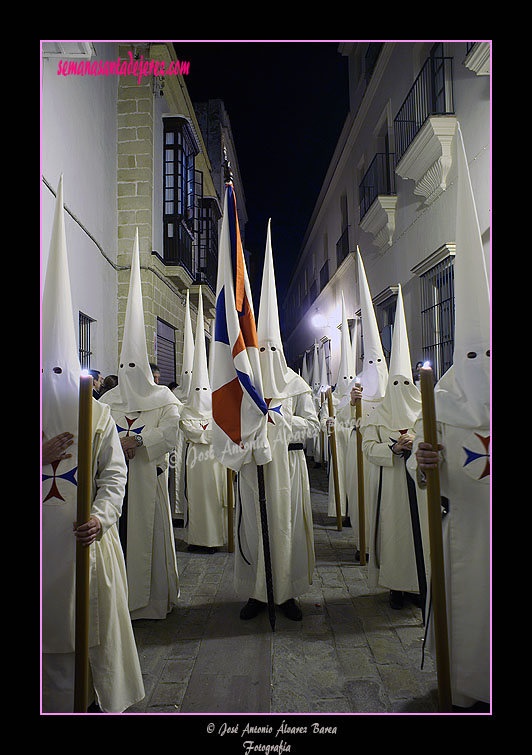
<point>132,155</point>
<point>390,190</point>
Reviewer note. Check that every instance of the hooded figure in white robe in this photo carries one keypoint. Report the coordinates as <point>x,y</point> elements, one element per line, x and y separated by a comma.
<point>291,418</point>
<point>373,379</point>
<point>306,375</point>
<point>315,442</point>
<point>146,416</point>
<point>342,428</point>
<point>398,528</point>
<point>206,478</point>
<point>323,410</point>
<point>177,466</point>
<point>462,401</point>
<point>114,668</point>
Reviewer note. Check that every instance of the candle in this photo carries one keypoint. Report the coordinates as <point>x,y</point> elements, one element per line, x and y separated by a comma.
<point>84,495</point>
<point>334,458</point>
<point>360,483</point>
<point>430,435</point>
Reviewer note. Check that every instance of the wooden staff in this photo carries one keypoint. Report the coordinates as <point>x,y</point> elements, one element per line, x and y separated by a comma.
<point>360,482</point>
<point>84,496</point>
<point>436,545</point>
<point>334,458</point>
<point>230,503</point>
<point>322,438</point>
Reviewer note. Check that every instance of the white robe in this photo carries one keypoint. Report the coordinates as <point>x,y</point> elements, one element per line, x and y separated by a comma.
<point>150,553</point>
<point>206,487</point>
<point>113,658</point>
<point>465,482</point>
<point>288,508</point>
<point>392,561</point>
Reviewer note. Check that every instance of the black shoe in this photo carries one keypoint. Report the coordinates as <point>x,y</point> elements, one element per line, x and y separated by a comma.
<point>346,522</point>
<point>396,599</point>
<point>202,549</point>
<point>291,610</point>
<point>251,609</point>
<point>416,599</point>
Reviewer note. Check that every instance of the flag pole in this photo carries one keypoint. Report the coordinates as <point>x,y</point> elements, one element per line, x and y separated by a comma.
<point>436,545</point>
<point>228,175</point>
<point>360,482</point>
<point>230,504</point>
<point>334,458</point>
<point>84,494</point>
<point>266,546</point>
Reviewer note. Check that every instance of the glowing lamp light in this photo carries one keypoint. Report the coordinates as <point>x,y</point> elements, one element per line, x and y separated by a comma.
<point>319,321</point>
<point>426,365</point>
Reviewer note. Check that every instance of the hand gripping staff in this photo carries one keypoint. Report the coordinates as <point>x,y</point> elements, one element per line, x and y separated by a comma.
<point>84,494</point>
<point>436,546</point>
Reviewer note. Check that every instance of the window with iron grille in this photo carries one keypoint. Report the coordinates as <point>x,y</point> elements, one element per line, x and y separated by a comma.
<point>208,242</point>
<point>165,352</point>
<point>437,315</point>
<point>178,192</point>
<point>85,341</point>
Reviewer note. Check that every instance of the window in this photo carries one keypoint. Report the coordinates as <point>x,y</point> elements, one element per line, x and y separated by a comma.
<point>437,315</point>
<point>208,242</point>
<point>85,341</point>
<point>179,150</point>
<point>165,352</point>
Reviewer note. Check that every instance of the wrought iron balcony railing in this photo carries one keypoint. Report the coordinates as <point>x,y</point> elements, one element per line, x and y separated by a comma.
<point>431,94</point>
<point>378,179</point>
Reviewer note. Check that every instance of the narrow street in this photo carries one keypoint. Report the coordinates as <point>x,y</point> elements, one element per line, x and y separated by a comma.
<point>351,653</point>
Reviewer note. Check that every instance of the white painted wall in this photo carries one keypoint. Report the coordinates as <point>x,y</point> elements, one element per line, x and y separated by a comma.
<point>420,230</point>
<point>78,139</point>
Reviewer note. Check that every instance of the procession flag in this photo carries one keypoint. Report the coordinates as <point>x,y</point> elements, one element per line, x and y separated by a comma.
<point>239,410</point>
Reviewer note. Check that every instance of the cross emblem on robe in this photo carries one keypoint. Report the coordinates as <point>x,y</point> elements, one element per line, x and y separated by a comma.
<point>273,409</point>
<point>473,455</point>
<point>54,490</point>
<point>129,428</point>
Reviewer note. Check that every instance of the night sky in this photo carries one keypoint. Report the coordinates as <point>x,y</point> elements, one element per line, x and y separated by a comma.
<point>287,103</point>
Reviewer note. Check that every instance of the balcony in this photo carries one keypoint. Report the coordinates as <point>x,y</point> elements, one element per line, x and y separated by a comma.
<point>378,200</point>
<point>342,247</point>
<point>424,130</point>
<point>324,275</point>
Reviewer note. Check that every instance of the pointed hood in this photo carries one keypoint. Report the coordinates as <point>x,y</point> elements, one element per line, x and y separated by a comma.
<point>374,375</point>
<point>304,369</point>
<point>324,382</point>
<point>462,395</point>
<point>60,360</point>
<point>401,404</point>
<point>346,368</point>
<point>278,380</point>
<point>183,388</point>
<point>199,402</point>
<point>315,386</point>
<point>136,389</point>
<point>354,347</point>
